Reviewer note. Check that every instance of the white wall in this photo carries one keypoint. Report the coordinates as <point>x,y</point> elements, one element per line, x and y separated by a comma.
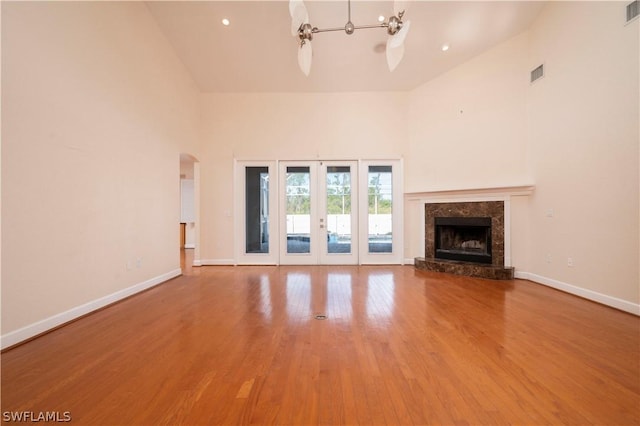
<point>467,127</point>
<point>583,135</point>
<point>287,126</point>
<point>96,109</point>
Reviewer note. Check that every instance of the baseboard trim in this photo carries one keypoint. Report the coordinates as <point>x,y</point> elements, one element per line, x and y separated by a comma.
<point>197,262</point>
<point>521,275</point>
<point>32,330</point>
<point>613,302</point>
<point>190,246</point>
<point>217,262</point>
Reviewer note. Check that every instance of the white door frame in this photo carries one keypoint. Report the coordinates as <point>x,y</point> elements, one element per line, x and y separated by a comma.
<point>397,254</point>
<point>311,228</point>
<point>327,258</point>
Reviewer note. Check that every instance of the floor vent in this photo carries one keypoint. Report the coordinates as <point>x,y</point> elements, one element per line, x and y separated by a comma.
<point>633,10</point>
<point>537,73</point>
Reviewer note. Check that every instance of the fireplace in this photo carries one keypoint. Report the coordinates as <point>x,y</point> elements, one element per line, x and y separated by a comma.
<point>463,238</point>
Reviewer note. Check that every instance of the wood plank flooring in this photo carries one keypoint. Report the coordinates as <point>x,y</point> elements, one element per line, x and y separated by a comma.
<point>240,345</point>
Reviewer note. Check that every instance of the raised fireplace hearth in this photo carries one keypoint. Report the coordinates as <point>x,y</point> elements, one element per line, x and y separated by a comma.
<point>465,238</point>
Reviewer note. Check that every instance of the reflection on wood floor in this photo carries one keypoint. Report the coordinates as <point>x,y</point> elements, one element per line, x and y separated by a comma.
<point>240,345</point>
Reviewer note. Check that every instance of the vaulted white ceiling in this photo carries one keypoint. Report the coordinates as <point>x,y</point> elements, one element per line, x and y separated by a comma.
<point>257,53</point>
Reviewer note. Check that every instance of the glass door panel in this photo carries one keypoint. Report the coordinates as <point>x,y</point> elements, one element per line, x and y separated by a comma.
<point>338,181</point>
<point>299,230</point>
<point>380,208</point>
<point>257,203</point>
<point>256,210</point>
<point>298,209</point>
<point>339,217</point>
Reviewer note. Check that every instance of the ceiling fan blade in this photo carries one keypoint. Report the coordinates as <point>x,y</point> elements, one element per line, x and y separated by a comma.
<point>299,16</point>
<point>304,57</point>
<point>400,6</point>
<point>394,54</point>
<point>398,39</point>
<point>293,4</point>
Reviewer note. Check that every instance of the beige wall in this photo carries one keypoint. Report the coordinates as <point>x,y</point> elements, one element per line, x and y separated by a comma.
<point>584,141</point>
<point>287,126</point>
<point>96,109</point>
<point>467,127</point>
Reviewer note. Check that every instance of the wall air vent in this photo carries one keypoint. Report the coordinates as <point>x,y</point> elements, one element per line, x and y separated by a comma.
<point>537,73</point>
<point>633,10</point>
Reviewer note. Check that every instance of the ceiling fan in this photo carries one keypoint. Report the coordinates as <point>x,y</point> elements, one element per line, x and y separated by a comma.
<point>304,31</point>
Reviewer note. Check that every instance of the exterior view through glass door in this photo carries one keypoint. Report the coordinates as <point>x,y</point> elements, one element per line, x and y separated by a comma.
<point>318,212</point>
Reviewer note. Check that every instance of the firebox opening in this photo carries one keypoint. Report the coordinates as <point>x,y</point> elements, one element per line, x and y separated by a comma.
<point>463,238</point>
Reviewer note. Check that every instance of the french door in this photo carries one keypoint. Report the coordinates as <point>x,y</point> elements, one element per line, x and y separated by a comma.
<point>318,212</point>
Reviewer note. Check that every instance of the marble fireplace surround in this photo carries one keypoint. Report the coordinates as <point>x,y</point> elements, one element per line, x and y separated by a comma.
<point>498,269</point>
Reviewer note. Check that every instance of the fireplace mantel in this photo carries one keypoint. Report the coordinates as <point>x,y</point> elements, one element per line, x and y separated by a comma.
<point>483,193</point>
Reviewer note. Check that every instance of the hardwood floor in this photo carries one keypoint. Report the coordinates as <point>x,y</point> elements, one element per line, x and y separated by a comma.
<point>240,345</point>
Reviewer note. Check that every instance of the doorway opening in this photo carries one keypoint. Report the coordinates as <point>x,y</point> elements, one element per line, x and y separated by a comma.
<point>189,202</point>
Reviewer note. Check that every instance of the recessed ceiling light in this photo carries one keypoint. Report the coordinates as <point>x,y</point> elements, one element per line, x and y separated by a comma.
<point>445,47</point>
<point>225,22</point>
<point>380,18</point>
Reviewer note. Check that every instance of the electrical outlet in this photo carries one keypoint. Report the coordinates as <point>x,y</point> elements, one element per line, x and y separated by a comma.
<point>570,262</point>
<point>138,262</point>
<point>548,258</point>
<point>549,212</point>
